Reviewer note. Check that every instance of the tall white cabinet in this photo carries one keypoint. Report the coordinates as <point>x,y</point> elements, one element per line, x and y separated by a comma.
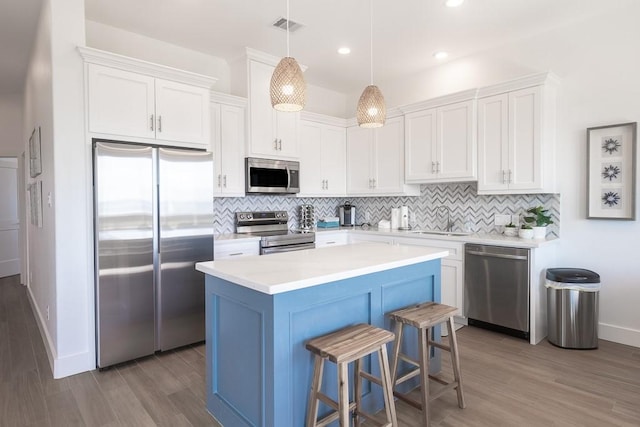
<point>273,134</point>
<point>322,156</point>
<point>375,160</point>
<point>440,139</point>
<point>516,136</point>
<point>137,101</point>
<point>228,135</point>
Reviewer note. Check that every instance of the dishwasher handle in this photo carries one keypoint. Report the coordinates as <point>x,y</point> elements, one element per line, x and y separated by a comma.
<point>494,255</point>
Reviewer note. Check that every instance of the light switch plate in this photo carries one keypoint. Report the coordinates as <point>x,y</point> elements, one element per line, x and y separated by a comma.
<point>502,219</point>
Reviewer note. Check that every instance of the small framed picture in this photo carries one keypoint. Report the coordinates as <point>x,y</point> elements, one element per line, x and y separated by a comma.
<point>35,160</point>
<point>611,172</point>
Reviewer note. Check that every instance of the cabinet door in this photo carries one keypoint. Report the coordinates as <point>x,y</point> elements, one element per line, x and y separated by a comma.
<point>420,145</point>
<point>182,113</point>
<point>389,157</point>
<point>120,102</point>
<point>359,160</point>
<point>525,157</point>
<point>452,284</point>
<point>334,160</point>
<point>287,131</point>
<point>232,142</point>
<point>312,181</point>
<point>262,136</point>
<point>456,142</point>
<point>493,142</point>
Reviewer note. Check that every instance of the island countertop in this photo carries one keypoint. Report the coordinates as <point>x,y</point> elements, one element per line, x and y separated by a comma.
<point>288,271</point>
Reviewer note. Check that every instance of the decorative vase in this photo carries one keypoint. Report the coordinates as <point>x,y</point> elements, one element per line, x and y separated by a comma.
<point>540,232</point>
<point>525,233</point>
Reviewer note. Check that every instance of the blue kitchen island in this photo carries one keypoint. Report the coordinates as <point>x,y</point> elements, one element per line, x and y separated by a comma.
<point>260,310</point>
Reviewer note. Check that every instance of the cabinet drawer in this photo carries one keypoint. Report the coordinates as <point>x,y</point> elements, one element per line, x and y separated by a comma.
<point>456,249</point>
<point>234,249</point>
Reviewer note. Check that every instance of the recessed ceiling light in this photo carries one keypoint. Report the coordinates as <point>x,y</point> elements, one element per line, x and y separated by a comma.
<point>344,51</point>
<point>440,55</point>
<point>453,3</point>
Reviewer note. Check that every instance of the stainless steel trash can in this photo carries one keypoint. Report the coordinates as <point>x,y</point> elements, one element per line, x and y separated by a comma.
<point>572,307</point>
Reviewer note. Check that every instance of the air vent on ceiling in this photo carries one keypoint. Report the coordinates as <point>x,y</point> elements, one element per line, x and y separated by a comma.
<point>282,24</point>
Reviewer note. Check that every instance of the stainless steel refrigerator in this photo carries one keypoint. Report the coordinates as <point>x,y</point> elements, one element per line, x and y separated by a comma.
<point>153,222</point>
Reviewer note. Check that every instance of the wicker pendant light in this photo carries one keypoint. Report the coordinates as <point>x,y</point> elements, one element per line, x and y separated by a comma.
<point>371,111</point>
<point>288,89</point>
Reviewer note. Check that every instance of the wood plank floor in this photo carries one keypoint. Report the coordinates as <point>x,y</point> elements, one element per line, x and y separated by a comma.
<point>507,383</point>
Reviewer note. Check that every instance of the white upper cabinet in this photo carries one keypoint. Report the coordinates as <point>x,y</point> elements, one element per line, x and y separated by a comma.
<point>440,144</point>
<point>375,160</point>
<point>273,134</point>
<point>137,101</point>
<point>228,133</point>
<point>322,159</point>
<point>516,137</point>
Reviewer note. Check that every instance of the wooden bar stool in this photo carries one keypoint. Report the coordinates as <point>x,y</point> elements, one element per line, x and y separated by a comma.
<point>423,317</point>
<point>342,347</point>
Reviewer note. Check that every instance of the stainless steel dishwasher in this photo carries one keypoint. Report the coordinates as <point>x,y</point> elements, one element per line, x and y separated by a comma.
<point>496,288</point>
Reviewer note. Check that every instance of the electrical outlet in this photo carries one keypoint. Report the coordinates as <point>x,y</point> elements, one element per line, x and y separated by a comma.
<point>367,216</point>
<point>502,219</point>
<point>515,219</point>
<point>47,313</point>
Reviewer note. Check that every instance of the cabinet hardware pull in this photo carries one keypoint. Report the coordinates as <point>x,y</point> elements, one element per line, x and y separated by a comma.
<point>510,176</point>
<point>275,144</point>
<point>280,144</point>
<point>323,182</point>
<point>225,181</point>
<point>159,123</point>
<point>151,127</point>
<point>433,167</point>
<point>437,167</point>
<point>219,178</point>
<point>236,254</point>
<point>374,183</point>
<point>504,176</point>
<point>327,181</point>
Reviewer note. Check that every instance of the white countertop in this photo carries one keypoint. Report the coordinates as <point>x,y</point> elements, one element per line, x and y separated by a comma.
<point>288,271</point>
<point>479,238</point>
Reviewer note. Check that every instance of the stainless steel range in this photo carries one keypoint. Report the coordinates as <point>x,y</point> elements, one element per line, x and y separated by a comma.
<point>273,228</point>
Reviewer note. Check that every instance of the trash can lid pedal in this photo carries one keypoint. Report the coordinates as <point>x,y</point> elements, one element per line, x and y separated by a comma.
<point>572,275</point>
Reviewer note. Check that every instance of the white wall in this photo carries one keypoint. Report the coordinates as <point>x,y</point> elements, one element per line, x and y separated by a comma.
<point>60,253</point>
<point>11,143</point>
<point>598,64</point>
<point>126,43</point>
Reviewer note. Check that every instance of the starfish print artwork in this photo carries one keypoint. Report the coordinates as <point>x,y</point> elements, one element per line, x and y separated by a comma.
<point>611,199</point>
<point>611,172</point>
<point>610,145</point>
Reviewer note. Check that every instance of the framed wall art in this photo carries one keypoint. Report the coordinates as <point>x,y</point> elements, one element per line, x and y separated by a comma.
<point>35,159</point>
<point>35,203</point>
<point>611,172</point>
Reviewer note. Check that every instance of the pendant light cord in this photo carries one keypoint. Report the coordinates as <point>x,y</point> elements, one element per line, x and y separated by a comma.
<point>370,37</point>
<point>288,28</point>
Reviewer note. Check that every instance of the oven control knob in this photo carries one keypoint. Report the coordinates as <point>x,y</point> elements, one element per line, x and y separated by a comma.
<point>249,216</point>
<point>241,216</point>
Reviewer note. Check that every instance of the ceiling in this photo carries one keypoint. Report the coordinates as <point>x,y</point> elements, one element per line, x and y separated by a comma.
<point>405,33</point>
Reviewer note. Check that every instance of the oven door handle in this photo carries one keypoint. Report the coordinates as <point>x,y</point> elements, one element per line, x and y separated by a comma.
<point>291,248</point>
<point>286,242</point>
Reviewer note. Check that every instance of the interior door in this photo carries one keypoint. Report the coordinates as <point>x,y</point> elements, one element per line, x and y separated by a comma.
<point>185,200</point>
<point>9,222</point>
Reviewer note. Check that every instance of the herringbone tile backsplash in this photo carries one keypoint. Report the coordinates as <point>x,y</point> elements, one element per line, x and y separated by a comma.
<point>468,210</point>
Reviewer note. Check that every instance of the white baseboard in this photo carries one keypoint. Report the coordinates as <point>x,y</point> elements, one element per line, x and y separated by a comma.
<point>60,366</point>
<point>626,336</point>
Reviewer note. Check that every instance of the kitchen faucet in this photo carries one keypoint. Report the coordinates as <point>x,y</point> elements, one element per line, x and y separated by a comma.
<point>449,224</point>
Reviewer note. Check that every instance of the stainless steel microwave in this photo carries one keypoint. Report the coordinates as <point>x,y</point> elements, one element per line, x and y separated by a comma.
<point>272,176</point>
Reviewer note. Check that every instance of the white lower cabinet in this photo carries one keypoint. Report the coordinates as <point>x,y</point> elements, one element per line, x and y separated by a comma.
<point>235,248</point>
<point>355,237</point>
<point>452,278</point>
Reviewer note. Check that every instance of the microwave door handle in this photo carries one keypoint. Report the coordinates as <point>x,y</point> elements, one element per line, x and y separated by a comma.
<point>288,177</point>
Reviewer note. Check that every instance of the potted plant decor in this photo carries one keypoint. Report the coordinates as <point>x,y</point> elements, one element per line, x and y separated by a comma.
<point>538,220</point>
<point>510,230</point>
<point>525,232</point>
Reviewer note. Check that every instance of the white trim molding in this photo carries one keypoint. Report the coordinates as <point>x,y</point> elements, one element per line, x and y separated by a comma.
<point>619,334</point>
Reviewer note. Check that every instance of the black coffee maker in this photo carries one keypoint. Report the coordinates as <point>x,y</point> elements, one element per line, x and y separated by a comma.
<point>347,214</point>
